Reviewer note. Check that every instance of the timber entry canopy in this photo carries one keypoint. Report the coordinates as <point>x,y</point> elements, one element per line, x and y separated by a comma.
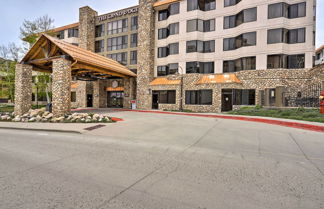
<point>85,64</point>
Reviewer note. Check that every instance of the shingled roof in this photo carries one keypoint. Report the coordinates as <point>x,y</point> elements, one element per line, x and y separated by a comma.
<point>47,48</point>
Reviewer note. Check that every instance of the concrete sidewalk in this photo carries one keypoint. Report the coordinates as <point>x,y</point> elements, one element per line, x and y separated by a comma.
<point>78,128</point>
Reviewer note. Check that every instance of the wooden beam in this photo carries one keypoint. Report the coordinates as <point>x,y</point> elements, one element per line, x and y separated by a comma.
<point>95,69</point>
<point>43,60</point>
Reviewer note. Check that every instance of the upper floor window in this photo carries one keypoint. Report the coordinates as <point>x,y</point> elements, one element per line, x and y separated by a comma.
<point>170,30</point>
<point>244,63</point>
<point>119,57</point>
<point>173,9</point>
<point>118,26</point>
<point>60,35</point>
<point>167,69</point>
<point>282,35</point>
<point>73,32</point>
<point>200,67</point>
<point>286,10</point>
<point>168,50</point>
<point>100,30</point>
<point>99,46</point>
<point>286,61</point>
<point>203,5</point>
<point>201,25</point>
<point>228,3</point>
<point>200,46</point>
<point>245,39</point>
<point>134,40</point>
<point>247,15</point>
<point>134,23</point>
<point>117,43</point>
<point>133,57</point>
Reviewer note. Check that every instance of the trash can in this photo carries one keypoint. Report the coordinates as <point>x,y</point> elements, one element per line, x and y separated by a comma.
<point>133,102</point>
<point>49,107</point>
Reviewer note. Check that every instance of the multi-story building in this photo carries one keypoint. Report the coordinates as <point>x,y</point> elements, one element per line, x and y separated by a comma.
<point>201,55</point>
<point>319,56</point>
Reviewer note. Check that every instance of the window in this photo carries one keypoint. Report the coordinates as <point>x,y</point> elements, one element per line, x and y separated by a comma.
<point>245,39</point>
<point>73,32</point>
<point>244,63</point>
<point>133,57</point>
<point>167,69</point>
<point>118,26</point>
<point>173,9</point>
<point>99,46</point>
<point>201,46</point>
<point>200,67</point>
<point>244,96</point>
<point>286,61</point>
<point>282,35</point>
<point>73,96</point>
<point>199,97</point>
<point>119,57</point>
<point>228,3</point>
<point>117,43</point>
<point>168,50</point>
<point>60,35</point>
<point>203,5</point>
<point>247,15</point>
<point>170,30</point>
<point>201,25</point>
<point>286,10</point>
<point>166,97</point>
<point>134,23</point>
<point>134,40</point>
<point>100,30</point>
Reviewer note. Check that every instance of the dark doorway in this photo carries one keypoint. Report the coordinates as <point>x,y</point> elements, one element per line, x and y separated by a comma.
<point>115,99</point>
<point>227,100</point>
<point>155,100</point>
<point>89,100</point>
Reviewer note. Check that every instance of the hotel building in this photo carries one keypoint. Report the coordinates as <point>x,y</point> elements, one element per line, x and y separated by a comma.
<point>199,55</point>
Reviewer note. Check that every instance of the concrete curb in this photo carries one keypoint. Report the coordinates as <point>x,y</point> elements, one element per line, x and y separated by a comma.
<point>272,121</point>
<point>44,130</point>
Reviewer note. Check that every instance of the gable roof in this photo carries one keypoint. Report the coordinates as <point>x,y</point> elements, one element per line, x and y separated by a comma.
<point>82,59</point>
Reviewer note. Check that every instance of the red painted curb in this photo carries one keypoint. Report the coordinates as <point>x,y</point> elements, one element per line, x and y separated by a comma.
<point>116,119</point>
<point>259,120</point>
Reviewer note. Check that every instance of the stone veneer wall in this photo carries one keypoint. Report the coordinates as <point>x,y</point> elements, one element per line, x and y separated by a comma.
<point>99,94</point>
<point>145,66</point>
<point>129,94</point>
<point>87,20</point>
<point>61,88</point>
<point>23,88</point>
<point>296,79</point>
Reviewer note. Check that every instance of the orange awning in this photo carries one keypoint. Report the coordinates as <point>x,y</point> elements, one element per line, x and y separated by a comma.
<point>164,81</point>
<point>164,2</point>
<point>74,85</point>
<point>115,89</point>
<point>219,78</point>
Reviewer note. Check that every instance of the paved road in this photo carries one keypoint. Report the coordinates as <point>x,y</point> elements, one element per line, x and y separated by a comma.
<point>163,162</point>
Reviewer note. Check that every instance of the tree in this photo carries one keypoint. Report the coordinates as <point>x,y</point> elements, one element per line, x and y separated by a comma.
<point>29,32</point>
<point>10,55</point>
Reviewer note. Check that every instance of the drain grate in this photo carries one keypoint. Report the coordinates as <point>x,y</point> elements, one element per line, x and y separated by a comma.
<point>94,127</point>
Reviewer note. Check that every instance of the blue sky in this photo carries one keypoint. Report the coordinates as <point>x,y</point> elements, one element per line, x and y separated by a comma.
<point>13,12</point>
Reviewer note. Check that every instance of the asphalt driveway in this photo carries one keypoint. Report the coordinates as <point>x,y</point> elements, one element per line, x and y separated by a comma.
<point>160,161</point>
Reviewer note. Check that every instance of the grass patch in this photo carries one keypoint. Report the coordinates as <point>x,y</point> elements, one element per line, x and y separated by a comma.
<point>311,115</point>
<point>10,108</point>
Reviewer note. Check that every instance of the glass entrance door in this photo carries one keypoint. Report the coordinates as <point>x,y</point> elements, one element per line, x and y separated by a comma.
<point>115,99</point>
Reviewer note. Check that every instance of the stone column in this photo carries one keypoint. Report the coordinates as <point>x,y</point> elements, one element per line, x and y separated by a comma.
<point>87,25</point>
<point>23,89</point>
<point>61,87</point>
<point>99,94</point>
<point>129,93</point>
<point>145,66</point>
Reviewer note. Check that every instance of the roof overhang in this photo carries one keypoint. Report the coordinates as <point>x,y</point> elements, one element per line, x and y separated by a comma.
<point>164,4</point>
<point>85,63</point>
<point>218,79</point>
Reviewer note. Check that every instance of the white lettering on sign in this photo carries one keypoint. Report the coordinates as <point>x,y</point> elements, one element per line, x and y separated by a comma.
<point>117,14</point>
